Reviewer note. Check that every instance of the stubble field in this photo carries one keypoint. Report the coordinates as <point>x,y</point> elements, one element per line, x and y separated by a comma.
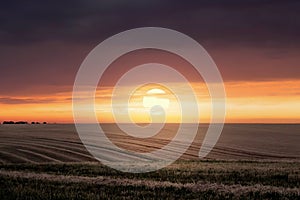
<point>249,162</point>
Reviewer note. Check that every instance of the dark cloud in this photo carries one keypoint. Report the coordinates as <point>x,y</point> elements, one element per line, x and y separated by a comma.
<point>250,21</point>
<point>42,43</point>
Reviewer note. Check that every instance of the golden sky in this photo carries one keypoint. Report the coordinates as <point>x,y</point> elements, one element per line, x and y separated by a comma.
<point>247,102</point>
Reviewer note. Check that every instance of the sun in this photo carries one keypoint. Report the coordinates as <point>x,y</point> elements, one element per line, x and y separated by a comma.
<point>153,102</point>
<point>155,97</point>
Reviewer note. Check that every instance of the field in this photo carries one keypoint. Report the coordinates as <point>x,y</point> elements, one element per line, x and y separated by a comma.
<point>249,162</point>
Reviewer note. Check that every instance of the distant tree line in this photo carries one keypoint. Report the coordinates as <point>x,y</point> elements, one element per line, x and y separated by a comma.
<point>21,122</point>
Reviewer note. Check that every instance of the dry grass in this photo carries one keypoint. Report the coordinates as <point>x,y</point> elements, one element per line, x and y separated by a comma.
<point>182,180</point>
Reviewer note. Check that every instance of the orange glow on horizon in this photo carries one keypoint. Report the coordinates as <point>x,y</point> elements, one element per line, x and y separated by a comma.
<point>247,102</point>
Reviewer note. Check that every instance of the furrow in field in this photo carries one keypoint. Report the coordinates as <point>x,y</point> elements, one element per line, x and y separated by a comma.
<point>2,161</point>
<point>54,152</point>
<point>58,148</point>
<point>76,151</point>
<point>41,155</point>
<point>248,153</point>
<point>62,140</point>
<point>15,157</point>
<point>47,141</point>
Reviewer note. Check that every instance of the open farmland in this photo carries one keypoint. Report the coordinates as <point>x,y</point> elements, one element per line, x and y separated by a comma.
<point>61,143</point>
<point>249,162</point>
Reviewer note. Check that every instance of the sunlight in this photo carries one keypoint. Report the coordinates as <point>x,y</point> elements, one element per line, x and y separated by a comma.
<point>152,99</point>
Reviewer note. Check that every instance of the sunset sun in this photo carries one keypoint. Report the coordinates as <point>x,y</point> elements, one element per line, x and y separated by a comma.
<point>153,99</point>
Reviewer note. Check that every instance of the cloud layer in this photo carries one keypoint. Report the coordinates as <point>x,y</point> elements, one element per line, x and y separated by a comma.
<point>43,43</point>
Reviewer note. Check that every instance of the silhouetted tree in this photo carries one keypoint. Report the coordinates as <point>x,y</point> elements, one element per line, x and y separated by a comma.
<point>8,122</point>
<point>21,122</point>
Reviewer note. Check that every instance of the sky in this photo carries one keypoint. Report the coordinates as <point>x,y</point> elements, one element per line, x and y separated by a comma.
<point>254,43</point>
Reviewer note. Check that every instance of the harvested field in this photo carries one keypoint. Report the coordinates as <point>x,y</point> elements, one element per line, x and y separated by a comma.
<point>60,143</point>
<point>182,180</point>
<point>249,162</point>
